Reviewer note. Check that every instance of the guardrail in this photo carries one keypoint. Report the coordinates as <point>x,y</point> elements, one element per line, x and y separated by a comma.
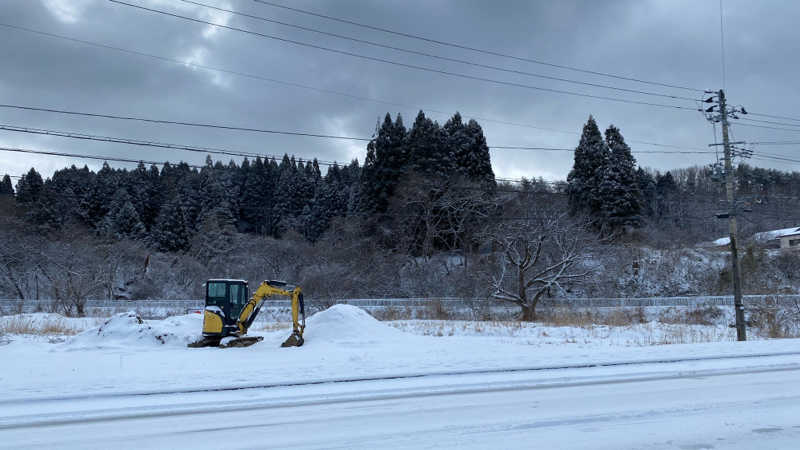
<point>168,307</point>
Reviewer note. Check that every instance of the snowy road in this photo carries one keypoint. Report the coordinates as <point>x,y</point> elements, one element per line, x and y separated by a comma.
<point>746,403</point>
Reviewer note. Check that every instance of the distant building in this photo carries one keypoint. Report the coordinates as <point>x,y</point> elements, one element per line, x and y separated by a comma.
<point>791,240</point>
<point>783,238</point>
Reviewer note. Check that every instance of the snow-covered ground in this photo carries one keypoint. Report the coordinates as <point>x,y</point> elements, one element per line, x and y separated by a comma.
<point>125,353</point>
<point>485,376</point>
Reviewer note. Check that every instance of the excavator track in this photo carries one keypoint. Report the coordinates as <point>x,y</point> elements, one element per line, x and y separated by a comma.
<point>205,342</point>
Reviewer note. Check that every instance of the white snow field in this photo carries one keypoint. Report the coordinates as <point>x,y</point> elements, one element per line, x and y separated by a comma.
<point>360,383</point>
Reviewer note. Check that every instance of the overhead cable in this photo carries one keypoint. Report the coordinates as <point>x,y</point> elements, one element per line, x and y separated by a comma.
<point>475,49</point>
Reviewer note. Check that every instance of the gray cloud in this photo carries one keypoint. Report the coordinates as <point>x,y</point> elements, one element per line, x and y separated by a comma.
<point>672,42</point>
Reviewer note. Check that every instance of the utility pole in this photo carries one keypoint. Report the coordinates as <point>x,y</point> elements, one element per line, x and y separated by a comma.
<point>720,113</point>
<point>741,332</point>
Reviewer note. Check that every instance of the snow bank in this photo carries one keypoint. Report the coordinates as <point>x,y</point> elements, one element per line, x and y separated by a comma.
<point>347,324</point>
<point>129,329</point>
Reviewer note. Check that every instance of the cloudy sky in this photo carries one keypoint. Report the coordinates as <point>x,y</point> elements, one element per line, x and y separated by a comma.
<point>674,42</point>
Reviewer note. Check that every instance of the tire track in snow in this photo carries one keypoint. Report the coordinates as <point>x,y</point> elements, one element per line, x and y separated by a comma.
<point>389,377</point>
<point>122,414</point>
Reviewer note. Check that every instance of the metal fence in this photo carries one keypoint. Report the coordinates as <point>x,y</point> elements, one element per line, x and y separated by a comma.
<point>169,307</point>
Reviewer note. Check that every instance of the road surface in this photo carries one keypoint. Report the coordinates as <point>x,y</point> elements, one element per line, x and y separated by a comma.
<point>747,404</point>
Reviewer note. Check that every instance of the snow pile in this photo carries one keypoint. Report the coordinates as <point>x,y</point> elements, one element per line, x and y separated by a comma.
<point>348,324</point>
<point>722,241</point>
<point>128,329</point>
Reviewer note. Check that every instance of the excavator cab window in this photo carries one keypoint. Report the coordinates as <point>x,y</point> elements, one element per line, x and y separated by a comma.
<point>216,293</point>
<point>237,295</point>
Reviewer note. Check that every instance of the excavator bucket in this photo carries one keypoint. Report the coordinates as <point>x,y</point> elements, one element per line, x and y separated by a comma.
<point>295,340</point>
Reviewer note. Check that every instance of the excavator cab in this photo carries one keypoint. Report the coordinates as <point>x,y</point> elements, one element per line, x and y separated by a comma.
<point>224,302</point>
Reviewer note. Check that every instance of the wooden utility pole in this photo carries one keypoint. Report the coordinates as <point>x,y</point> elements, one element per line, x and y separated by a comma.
<point>741,332</point>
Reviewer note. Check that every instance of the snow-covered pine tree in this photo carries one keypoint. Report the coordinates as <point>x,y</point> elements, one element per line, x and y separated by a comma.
<point>171,232</point>
<point>153,198</point>
<point>428,154</point>
<point>46,213</point>
<point>666,193</point>
<point>123,220</point>
<point>384,166</point>
<point>647,186</point>
<point>97,202</point>
<point>584,179</point>
<point>476,162</point>
<point>458,142</point>
<point>288,203</point>
<point>619,192</point>
<point>6,188</point>
<point>216,228</point>
<point>29,187</point>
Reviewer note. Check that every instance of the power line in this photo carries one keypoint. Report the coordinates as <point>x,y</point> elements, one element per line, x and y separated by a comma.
<point>554,149</point>
<point>775,158</point>
<point>143,143</point>
<point>474,49</point>
<point>435,56</point>
<point>773,116</point>
<point>771,122</point>
<point>775,142</point>
<point>410,66</point>
<point>303,86</point>
<point>291,133</point>
<point>80,156</point>
<point>742,124</point>
<point>182,123</point>
<point>229,152</point>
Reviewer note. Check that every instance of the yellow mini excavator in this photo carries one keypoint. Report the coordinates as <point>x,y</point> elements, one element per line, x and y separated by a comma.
<point>228,314</point>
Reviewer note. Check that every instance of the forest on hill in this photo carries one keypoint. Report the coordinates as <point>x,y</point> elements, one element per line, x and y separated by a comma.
<point>424,203</point>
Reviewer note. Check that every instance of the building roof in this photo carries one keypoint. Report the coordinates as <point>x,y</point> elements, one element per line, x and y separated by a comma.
<point>764,236</point>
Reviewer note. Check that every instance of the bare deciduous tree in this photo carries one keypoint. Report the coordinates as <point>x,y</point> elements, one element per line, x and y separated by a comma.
<point>536,257</point>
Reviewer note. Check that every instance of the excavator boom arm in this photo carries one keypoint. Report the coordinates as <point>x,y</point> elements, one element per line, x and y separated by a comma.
<point>264,290</point>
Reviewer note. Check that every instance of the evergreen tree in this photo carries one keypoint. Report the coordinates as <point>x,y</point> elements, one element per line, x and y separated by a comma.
<point>476,162</point>
<point>458,140</point>
<point>647,186</point>
<point>171,232</point>
<point>216,228</point>
<point>666,191</point>
<point>97,202</point>
<point>468,146</point>
<point>45,213</point>
<point>385,164</point>
<point>5,186</point>
<point>428,154</point>
<point>619,192</point>
<point>584,180</point>
<point>29,187</point>
<point>123,220</point>
<point>153,197</point>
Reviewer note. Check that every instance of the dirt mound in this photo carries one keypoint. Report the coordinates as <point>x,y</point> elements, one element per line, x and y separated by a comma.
<point>128,329</point>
